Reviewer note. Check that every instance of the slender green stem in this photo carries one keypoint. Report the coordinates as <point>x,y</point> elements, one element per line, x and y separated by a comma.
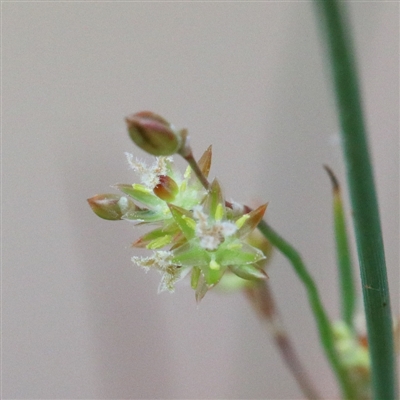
<point>343,256</point>
<point>363,199</point>
<point>323,323</point>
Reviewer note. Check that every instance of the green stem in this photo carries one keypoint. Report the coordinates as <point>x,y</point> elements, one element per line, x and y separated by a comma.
<point>364,201</point>
<point>343,256</point>
<point>323,323</point>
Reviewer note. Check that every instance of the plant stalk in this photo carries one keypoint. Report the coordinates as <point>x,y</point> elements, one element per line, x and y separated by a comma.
<point>363,199</point>
<point>343,256</point>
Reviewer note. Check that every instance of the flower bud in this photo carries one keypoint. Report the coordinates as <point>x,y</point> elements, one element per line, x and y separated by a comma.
<point>154,134</point>
<point>111,206</point>
<point>166,189</point>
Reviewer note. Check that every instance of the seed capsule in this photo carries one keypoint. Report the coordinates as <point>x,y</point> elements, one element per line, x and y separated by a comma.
<point>166,189</point>
<point>111,206</point>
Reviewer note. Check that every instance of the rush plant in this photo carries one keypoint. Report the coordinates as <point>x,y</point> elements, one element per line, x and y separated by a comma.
<point>194,230</point>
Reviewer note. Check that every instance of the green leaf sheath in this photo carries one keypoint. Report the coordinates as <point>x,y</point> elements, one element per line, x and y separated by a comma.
<point>321,317</point>
<point>343,255</point>
<point>363,199</point>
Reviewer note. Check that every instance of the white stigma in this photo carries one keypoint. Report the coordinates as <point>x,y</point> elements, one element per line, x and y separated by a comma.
<point>211,233</point>
<point>149,175</point>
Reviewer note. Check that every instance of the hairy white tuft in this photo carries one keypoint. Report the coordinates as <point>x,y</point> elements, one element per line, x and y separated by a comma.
<point>149,175</point>
<point>211,233</point>
<point>161,260</point>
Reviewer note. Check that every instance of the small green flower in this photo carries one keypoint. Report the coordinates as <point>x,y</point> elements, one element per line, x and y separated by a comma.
<point>193,228</point>
<point>213,242</point>
<point>162,182</point>
<point>184,191</point>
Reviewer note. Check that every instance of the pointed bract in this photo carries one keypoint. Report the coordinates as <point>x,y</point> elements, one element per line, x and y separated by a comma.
<point>139,193</point>
<point>205,162</point>
<point>190,255</point>
<point>201,289</point>
<point>248,272</point>
<point>214,205</point>
<point>194,279</point>
<point>147,216</point>
<point>248,222</point>
<point>167,231</point>
<point>238,253</point>
<point>184,220</point>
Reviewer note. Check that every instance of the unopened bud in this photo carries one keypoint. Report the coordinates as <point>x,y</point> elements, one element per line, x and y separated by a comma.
<point>154,134</point>
<point>166,189</point>
<point>111,206</point>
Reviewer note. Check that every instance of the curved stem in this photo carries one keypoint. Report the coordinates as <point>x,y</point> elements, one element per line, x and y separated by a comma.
<point>323,323</point>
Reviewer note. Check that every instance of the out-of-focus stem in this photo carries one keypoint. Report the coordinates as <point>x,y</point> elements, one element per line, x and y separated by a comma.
<point>261,298</point>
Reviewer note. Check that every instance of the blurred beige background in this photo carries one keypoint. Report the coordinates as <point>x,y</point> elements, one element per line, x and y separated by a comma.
<point>79,319</point>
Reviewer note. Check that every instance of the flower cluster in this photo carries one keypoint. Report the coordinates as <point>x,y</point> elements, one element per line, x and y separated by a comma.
<point>193,228</point>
